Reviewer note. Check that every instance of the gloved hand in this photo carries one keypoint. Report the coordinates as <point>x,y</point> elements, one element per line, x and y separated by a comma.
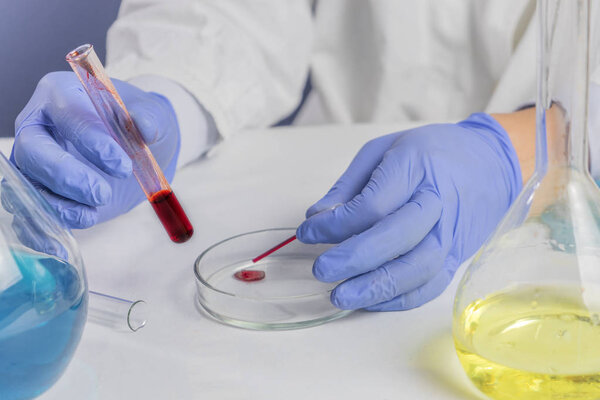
<point>62,146</point>
<point>412,206</point>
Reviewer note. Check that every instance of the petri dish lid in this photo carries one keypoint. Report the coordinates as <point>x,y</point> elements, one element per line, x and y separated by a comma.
<point>276,293</point>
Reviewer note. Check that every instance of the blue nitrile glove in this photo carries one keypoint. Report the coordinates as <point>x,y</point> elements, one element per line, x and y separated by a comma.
<point>412,206</point>
<point>62,146</point>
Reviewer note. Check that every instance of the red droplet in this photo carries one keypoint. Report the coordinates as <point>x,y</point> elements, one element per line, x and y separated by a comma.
<point>249,275</point>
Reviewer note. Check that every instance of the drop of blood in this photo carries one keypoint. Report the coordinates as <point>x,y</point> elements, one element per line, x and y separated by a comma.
<point>249,275</point>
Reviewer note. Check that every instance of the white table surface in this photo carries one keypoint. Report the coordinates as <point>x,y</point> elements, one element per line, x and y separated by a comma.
<point>259,179</point>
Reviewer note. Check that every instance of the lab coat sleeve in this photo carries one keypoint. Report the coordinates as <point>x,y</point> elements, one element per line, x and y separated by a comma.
<point>245,62</point>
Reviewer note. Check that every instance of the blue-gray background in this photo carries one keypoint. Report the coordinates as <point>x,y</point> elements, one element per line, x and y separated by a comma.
<point>35,36</point>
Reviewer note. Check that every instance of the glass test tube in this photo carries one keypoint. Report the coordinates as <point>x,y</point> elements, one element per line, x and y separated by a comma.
<point>116,118</point>
<point>116,313</point>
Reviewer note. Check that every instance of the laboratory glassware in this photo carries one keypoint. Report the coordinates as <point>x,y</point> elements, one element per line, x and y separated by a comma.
<point>527,310</point>
<point>116,313</point>
<point>275,293</point>
<point>43,290</point>
<point>113,113</point>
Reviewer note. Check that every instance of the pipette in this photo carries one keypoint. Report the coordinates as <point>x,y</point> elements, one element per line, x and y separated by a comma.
<point>120,125</point>
<point>288,240</point>
<point>274,249</point>
<point>252,275</point>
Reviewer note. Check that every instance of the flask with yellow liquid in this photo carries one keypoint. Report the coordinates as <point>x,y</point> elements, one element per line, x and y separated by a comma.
<point>527,311</point>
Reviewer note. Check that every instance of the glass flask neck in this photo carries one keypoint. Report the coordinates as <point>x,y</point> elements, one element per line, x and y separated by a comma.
<point>562,129</point>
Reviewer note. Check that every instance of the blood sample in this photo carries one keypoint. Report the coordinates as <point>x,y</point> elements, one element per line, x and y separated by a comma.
<point>171,215</point>
<point>120,125</point>
<point>249,275</point>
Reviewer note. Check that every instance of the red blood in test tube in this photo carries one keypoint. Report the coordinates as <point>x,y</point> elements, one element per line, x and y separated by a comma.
<point>172,216</point>
<point>249,275</point>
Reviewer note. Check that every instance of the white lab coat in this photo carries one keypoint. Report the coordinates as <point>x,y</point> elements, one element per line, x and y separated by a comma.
<point>246,61</point>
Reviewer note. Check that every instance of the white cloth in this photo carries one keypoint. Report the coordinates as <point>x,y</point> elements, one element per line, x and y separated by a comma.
<point>247,61</point>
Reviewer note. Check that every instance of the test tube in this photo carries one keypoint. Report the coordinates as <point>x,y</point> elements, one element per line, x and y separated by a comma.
<point>121,127</point>
<point>115,312</point>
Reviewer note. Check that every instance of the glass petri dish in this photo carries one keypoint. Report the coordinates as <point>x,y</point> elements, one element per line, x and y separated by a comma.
<point>288,297</point>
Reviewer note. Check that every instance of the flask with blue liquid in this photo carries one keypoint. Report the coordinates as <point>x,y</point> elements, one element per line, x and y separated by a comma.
<point>43,290</point>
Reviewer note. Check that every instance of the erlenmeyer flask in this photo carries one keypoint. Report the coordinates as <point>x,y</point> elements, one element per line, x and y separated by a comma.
<point>527,311</point>
<point>43,290</point>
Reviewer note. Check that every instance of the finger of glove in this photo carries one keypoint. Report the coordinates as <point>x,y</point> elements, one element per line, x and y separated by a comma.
<point>75,119</point>
<point>36,239</point>
<point>356,175</point>
<point>417,297</point>
<point>153,116</point>
<point>396,277</point>
<point>9,198</point>
<point>390,186</point>
<point>393,236</point>
<point>74,215</point>
<point>38,156</point>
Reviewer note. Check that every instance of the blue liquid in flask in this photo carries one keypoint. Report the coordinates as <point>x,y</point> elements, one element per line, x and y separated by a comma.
<point>42,313</point>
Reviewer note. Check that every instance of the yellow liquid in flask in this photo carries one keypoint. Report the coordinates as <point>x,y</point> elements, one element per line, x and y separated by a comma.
<point>531,343</point>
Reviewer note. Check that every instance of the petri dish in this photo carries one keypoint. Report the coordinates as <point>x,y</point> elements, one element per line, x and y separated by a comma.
<point>287,297</point>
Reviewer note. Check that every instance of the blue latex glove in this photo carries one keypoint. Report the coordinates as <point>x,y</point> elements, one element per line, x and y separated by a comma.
<point>412,206</point>
<point>62,146</point>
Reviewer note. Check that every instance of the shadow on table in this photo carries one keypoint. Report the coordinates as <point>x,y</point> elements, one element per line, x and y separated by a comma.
<point>437,359</point>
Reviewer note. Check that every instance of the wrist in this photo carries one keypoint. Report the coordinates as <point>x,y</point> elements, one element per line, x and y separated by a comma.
<point>499,140</point>
<point>520,127</point>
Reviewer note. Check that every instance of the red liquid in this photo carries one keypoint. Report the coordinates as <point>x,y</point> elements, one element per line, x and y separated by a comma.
<point>249,275</point>
<point>172,216</point>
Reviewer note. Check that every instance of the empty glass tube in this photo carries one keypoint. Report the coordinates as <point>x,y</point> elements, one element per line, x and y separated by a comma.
<point>115,312</point>
<point>120,125</point>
